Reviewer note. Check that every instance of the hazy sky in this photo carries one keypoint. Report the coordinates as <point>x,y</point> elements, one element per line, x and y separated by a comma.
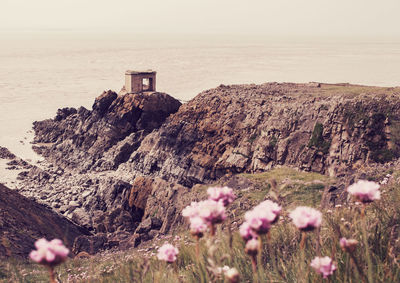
<point>286,17</point>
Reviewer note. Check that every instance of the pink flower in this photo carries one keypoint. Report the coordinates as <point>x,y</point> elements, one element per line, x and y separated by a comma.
<point>197,226</point>
<point>306,218</point>
<point>191,210</point>
<point>211,211</point>
<point>348,245</point>
<point>262,216</point>
<point>271,210</point>
<point>252,247</point>
<point>49,253</point>
<point>256,222</point>
<point>323,265</point>
<point>246,232</point>
<point>167,252</point>
<point>365,191</point>
<point>223,194</point>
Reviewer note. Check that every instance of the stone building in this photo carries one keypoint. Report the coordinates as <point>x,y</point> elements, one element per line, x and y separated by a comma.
<point>137,81</point>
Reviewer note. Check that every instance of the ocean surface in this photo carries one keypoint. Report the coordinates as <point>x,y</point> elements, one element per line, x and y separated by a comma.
<point>43,71</point>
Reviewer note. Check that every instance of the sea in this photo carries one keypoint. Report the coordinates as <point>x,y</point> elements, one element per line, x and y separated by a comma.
<point>42,71</point>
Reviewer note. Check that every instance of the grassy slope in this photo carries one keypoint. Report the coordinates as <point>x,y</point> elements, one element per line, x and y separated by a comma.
<point>281,258</point>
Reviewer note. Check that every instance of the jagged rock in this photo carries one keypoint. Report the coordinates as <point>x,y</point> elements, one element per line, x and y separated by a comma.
<point>252,128</point>
<point>144,227</point>
<point>90,244</point>
<point>81,138</point>
<point>141,189</point>
<point>150,223</point>
<point>135,157</point>
<point>23,221</point>
<point>6,154</point>
<point>82,217</point>
<point>64,113</point>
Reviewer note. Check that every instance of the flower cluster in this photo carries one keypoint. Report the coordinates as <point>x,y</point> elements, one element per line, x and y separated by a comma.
<point>167,252</point>
<point>208,212</point>
<point>365,191</point>
<point>49,253</point>
<point>260,219</point>
<point>221,194</point>
<point>323,265</point>
<point>306,218</point>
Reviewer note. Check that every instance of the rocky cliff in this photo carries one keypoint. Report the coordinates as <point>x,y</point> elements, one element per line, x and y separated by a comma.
<point>331,129</point>
<point>78,138</point>
<point>22,221</point>
<point>126,168</point>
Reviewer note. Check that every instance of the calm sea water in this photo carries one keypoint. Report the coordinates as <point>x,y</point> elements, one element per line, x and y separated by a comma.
<point>41,72</point>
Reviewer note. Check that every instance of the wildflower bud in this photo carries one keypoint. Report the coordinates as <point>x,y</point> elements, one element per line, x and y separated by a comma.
<point>348,245</point>
<point>232,275</point>
<point>252,247</point>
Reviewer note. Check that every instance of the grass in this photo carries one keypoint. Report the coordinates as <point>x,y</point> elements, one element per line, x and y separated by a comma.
<point>281,174</point>
<point>281,259</point>
<point>352,91</point>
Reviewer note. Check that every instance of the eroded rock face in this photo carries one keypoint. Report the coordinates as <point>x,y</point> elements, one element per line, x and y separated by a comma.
<point>252,128</point>
<point>126,170</point>
<point>80,138</point>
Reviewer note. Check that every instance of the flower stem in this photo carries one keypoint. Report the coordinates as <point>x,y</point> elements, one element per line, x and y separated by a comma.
<point>197,249</point>
<point>254,267</point>
<point>365,239</point>
<point>302,256</point>
<point>212,230</point>
<point>259,254</point>
<point>254,263</point>
<point>52,275</point>
<point>303,240</point>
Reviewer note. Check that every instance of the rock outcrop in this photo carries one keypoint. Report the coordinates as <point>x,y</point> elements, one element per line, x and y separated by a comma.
<point>6,154</point>
<point>80,138</point>
<point>330,129</point>
<point>125,169</point>
<point>22,221</point>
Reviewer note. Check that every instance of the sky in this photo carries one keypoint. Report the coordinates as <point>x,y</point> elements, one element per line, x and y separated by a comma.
<point>278,17</point>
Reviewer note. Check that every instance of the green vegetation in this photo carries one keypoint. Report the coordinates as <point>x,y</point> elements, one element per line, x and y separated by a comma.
<point>317,139</point>
<point>252,138</point>
<point>354,115</point>
<point>272,143</point>
<point>286,173</point>
<point>280,258</point>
